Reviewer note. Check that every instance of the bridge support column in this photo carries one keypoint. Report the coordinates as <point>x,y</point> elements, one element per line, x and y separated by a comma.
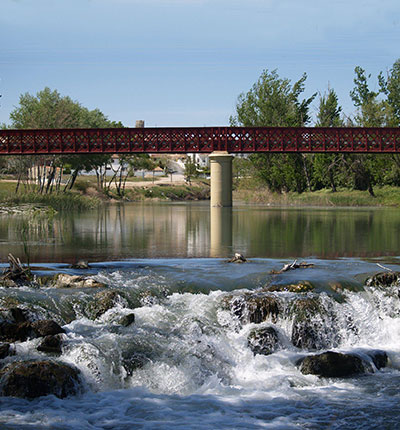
<point>221,179</point>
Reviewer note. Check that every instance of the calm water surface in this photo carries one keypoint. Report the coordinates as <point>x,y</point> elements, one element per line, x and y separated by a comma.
<point>183,230</point>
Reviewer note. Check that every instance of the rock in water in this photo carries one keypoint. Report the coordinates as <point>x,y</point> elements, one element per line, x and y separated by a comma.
<point>63,280</point>
<point>263,340</point>
<point>237,258</point>
<point>313,326</point>
<point>127,320</point>
<point>31,379</point>
<point>51,344</point>
<point>81,264</point>
<point>384,279</point>
<point>14,332</point>
<point>46,328</point>
<point>254,308</point>
<point>102,302</point>
<point>5,350</point>
<point>332,365</point>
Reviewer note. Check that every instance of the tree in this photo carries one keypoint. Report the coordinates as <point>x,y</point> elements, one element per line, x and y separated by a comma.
<point>48,109</point>
<point>326,166</point>
<point>273,101</point>
<point>372,112</point>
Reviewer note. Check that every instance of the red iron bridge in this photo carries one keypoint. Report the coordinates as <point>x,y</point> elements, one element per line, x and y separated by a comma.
<point>200,139</point>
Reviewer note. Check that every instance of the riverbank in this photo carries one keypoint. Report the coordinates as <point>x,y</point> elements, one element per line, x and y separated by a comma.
<point>384,197</point>
<point>86,195</point>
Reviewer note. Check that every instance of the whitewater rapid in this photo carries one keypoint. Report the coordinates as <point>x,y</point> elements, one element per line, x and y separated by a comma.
<point>185,362</point>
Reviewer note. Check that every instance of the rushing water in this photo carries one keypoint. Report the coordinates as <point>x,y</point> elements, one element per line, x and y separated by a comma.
<point>185,362</point>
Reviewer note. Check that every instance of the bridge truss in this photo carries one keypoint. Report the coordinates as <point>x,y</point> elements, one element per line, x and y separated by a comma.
<point>201,140</point>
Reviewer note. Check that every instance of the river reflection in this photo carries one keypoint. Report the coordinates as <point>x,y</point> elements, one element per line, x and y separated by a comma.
<point>189,230</point>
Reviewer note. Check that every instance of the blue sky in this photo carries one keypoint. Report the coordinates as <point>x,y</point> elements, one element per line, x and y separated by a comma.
<point>184,62</point>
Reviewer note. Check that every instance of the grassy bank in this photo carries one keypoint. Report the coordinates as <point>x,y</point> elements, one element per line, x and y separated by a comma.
<point>86,195</point>
<point>384,196</point>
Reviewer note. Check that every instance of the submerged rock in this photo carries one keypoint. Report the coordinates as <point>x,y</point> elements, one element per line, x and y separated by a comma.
<point>312,327</point>
<point>31,379</point>
<point>63,280</point>
<point>127,320</point>
<point>81,264</point>
<point>332,365</point>
<point>51,344</point>
<point>253,308</point>
<point>263,341</point>
<point>379,358</point>
<point>102,302</point>
<point>301,287</point>
<point>384,279</point>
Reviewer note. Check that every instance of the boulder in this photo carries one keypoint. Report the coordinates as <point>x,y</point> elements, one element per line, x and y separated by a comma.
<point>51,344</point>
<point>127,320</point>
<point>31,379</point>
<point>379,358</point>
<point>102,302</point>
<point>14,332</point>
<point>263,341</point>
<point>384,279</point>
<point>63,280</point>
<point>255,308</point>
<point>332,365</point>
<point>46,328</point>
<point>312,325</point>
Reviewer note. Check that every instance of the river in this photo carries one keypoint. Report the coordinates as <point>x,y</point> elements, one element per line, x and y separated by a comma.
<point>185,363</point>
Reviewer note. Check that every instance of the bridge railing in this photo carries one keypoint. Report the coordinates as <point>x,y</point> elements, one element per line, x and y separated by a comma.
<point>200,139</point>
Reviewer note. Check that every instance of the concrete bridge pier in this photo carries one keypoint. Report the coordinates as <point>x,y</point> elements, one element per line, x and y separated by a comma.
<point>221,179</point>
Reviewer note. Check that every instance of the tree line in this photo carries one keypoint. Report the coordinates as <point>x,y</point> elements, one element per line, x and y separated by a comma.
<point>276,102</point>
<point>272,101</point>
<point>47,110</point>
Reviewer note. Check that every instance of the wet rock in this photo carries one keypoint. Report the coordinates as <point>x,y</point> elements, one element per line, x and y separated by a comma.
<point>312,327</point>
<point>81,264</point>
<point>237,258</point>
<point>63,280</point>
<point>301,287</point>
<point>384,279</point>
<point>332,365</point>
<point>379,358</point>
<point>255,308</point>
<point>5,350</point>
<point>102,302</point>
<point>134,362</point>
<point>31,379</point>
<point>19,315</point>
<point>127,320</point>
<point>51,344</point>
<point>14,332</point>
<point>263,341</point>
<point>46,328</point>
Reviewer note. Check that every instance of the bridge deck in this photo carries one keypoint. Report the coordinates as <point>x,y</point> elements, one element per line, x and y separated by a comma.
<point>200,139</point>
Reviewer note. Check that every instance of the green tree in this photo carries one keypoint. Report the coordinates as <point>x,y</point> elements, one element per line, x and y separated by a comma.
<point>273,101</point>
<point>47,110</point>
<point>326,166</point>
<point>371,112</point>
